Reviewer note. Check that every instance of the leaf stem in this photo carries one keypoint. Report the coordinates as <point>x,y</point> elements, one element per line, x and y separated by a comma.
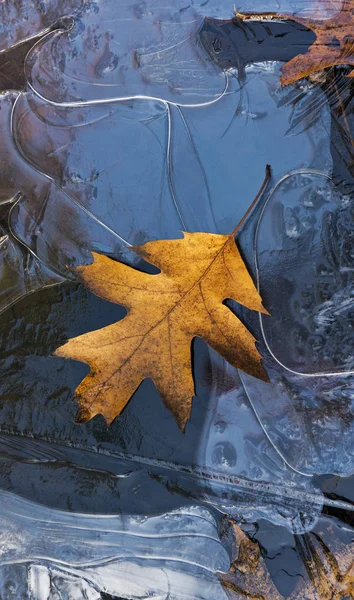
<point>259,194</point>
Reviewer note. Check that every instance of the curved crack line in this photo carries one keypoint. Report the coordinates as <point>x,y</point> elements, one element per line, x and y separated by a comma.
<point>271,193</point>
<point>266,432</point>
<point>204,175</point>
<point>78,103</point>
<point>330,374</point>
<point>53,183</point>
<point>167,105</point>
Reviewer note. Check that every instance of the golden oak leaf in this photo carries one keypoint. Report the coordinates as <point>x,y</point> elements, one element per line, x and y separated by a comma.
<point>333,46</point>
<point>164,313</point>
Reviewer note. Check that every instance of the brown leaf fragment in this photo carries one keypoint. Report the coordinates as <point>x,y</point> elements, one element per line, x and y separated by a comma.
<point>333,46</point>
<point>249,554</point>
<point>328,575</point>
<point>328,580</point>
<point>248,576</point>
<point>164,313</point>
<point>12,71</point>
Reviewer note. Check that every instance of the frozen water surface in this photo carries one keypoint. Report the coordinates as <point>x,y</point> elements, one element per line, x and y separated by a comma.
<point>68,553</point>
<point>131,124</point>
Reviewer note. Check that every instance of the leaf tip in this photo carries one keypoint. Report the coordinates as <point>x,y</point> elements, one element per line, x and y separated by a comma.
<point>182,423</point>
<point>109,420</point>
<point>60,351</point>
<point>83,414</point>
<point>284,78</point>
<point>261,373</point>
<point>264,375</point>
<point>182,418</point>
